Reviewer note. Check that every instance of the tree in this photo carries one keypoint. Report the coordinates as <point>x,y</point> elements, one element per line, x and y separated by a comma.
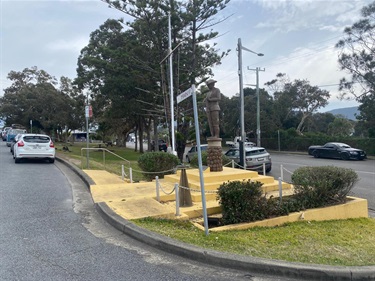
<point>111,68</point>
<point>319,122</point>
<point>195,56</point>
<point>356,57</point>
<point>366,116</point>
<point>298,98</point>
<point>341,127</point>
<point>34,96</point>
<point>231,116</point>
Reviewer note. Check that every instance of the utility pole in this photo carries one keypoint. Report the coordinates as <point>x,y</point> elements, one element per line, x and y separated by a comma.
<point>242,114</point>
<point>258,103</point>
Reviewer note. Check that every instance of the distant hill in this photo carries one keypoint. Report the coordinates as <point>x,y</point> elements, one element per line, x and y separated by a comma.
<point>348,112</point>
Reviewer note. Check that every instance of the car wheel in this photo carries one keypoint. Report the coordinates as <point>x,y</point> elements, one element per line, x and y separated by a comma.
<point>51,160</point>
<point>17,160</point>
<point>187,159</point>
<point>344,156</point>
<point>268,170</point>
<point>316,154</point>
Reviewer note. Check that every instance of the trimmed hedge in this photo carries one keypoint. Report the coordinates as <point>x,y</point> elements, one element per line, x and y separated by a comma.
<point>154,162</point>
<point>321,186</point>
<point>244,201</point>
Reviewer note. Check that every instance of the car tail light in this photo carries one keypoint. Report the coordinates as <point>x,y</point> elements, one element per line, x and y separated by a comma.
<point>20,144</point>
<point>51,144</point>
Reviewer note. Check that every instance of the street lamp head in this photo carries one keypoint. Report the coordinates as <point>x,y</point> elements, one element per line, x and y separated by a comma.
<point>260,54</point>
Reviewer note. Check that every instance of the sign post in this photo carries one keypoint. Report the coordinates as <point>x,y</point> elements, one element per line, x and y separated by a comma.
<point>87,115</point>
<point>197,137</point>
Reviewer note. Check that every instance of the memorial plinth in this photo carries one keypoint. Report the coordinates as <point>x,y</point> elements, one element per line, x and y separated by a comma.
<point>214,151</point>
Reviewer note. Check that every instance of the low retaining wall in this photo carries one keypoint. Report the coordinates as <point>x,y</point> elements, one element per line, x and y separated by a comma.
<point>353,208</point>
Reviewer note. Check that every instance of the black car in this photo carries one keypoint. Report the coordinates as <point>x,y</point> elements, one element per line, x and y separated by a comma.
<point>336,150</point>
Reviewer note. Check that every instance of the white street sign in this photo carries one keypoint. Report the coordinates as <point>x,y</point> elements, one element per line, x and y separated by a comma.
<point>184,95</point>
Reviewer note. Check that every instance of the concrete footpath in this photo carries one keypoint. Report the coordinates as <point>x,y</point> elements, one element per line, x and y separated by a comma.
<point>110,194</point>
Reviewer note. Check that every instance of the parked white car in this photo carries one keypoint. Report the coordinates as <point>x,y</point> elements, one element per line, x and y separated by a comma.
<point>34,146</point>
<point>194,151</point>
<point>255,157</point>
<point>236,143</point>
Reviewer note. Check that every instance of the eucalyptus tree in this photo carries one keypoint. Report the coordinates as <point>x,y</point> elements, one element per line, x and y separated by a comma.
<point>296,99</point>
<point>231,118</point>
<point>27,77</point>
<point>356,57</point>
<point>319,122</point>
<point>76,106</point>
<point>305,99</point>
<point>341,126</point>
<point>34,95</point>
<point>192,23</point>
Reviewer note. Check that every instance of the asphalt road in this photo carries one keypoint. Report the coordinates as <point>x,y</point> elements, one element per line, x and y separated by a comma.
<point>364,188</point>
<point>49,230</point>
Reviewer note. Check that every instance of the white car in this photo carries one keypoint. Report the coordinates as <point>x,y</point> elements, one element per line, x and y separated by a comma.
<point>34,146</point>
<point>194,151</point>
<point>255,157</point>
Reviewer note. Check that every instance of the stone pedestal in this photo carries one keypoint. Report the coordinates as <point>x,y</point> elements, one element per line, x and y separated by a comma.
<point>214,154</point>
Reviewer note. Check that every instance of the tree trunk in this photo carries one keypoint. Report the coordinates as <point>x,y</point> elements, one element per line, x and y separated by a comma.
<point>299,127</point>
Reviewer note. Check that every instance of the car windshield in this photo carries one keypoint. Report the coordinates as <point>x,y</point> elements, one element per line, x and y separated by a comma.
<point>343,145</point>
<point>36,139</point>
<point>16,131</point>
<point>255,152</point>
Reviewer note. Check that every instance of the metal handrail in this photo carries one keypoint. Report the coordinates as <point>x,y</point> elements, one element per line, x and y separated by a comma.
<point>104,151</point>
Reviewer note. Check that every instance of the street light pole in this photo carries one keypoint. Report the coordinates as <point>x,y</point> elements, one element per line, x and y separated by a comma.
<point>242,113</point>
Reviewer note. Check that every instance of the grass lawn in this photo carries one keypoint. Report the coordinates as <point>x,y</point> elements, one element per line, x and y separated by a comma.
<point>343,242</point>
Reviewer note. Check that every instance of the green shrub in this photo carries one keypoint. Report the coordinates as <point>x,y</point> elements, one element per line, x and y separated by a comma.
<point>321,186</point>
<point>194,160</point>
<point>242,202</point>
<point>157,164</point>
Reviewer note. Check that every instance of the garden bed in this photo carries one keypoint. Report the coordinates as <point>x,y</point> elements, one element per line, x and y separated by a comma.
<point>353,208</point>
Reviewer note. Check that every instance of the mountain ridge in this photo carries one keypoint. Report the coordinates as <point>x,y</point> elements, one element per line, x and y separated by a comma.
<point>347,112</point>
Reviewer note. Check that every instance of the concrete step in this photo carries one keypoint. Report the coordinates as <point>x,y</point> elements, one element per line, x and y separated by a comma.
<point>213,180</point>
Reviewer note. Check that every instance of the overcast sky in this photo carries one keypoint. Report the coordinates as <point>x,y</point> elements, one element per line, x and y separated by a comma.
<point>296,38</point>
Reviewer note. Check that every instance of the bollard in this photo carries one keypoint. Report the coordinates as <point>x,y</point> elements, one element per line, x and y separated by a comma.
<point>264,169</point>
<point>282,172</point>
<point>176,189</point>
<point>122,172</point>
<point>232,163</point>
<point>280,189</point>
<point>131,175</point>
<point>157,189</point>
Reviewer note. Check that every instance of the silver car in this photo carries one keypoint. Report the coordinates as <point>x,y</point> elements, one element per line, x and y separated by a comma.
<point>194,150</point>
<point>255,157</point>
